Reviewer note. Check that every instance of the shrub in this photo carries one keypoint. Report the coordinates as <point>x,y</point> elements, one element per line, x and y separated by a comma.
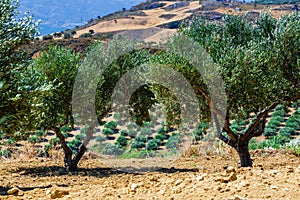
<point>279,107</point>
<point>275,121</point>
<point>141,138</point>
<point>161,130</point>
<point>100,138</point>
<point>152,145</point>
<point>39,133</point>
<point>65,134</point>
<point>6,153</point>
<point>132,125</point>
<point>111,125</point>
<point>287,131</point>
<point>80,136</point>
<point>10,141</point>
<point>33,139</point>
<point>292,124</point>
<point>252,144</point>
<point>172,142</point>
<point>47,37</point>
<point>54,141</point>
<point>108,131</point>
<point>146,131</point>
<point>47,147</point>
<point>132,133</point>
<point>137,145</point>
<point>83,130</point>
<point>278,113</point>
<point>122,141</point>
<point>160,136</point>
<point>85,35</point>
<point>124,133</point>
<point>111,149</point>
<point>235,126</point>
<point>269,132</point>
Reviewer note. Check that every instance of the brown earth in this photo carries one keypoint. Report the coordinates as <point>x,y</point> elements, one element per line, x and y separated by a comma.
<point>275,175</point>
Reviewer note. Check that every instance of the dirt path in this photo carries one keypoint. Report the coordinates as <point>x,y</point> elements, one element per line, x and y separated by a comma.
<point>275,175</point>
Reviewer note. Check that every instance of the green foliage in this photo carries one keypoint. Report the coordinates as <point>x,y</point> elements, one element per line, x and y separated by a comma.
<point>108,131</point>
<point>152,145</point>
<point>122,141</point>
<point>146,131</point>
<point>269,132</point>
<point>124,133</point>
<point>111,125</point>
<point>33,139</point>
<point>252,144</point>
<point>15,105</point>
<point>74,145</point>
<point>57,68</point>
<point>65,129</point>
<point>173,142</point>
<point>80,136</point>
<point>10,141</point>
<point>6,153</point>
<point>100,138</point>
<point>132,133</point>
<point>85,35</point>
<point>160,136</point>
<point>111,149</point>
<point>54,141</point>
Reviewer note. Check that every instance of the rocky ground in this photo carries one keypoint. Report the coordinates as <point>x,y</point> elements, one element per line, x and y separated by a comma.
<point>275,175</point>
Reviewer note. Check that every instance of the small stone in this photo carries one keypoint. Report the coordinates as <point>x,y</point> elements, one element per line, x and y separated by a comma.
<point>133,187</point>
<point>56,193</point>
<point>297,169</point>
<point>274,187</point>
<point>230,169</point>
<point>177,182</point>
<point>232,176</point>
<point>238,198</point>
<point>13,191</point>
<point>290,169</point>
<point>199,178</point>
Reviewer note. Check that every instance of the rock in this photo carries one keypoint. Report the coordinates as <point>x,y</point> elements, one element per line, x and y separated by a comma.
<point>230,169</point>
<point>177,182</point>
<point>133,187</point>
<point>232,176</point>
<point>13,191</point>
<point>297,169</point>
<point>56,193</point>
<point>290,169</point>
<point>238,198</point>
<point>199,178</point>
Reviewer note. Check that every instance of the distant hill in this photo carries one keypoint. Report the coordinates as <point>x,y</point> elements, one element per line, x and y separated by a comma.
<point>57,15</point>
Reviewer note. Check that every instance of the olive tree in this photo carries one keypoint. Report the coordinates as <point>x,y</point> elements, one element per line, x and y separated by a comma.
<point>15,30</point>
<point>56,69</point>
<point>260,66</point>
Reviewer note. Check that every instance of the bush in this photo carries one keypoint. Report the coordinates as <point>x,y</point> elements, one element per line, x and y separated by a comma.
<point>292,124</point>
<point>132,125</point>
<point>33,139</point>
<point>269,132</point>
<point>161,130</point>
<point>252,144</point>
<point>160,136</point>
<point>10,141</point>
<point>146,131</point>
<point>85,35</point>
<point>47,37</point>
<point>108,131</point>
<point>173,142</point>
<point>6,153</point>
<point>275,121</point>
<point>39,133</point>
<point>65,134</point>
<point>278,113</point>
<point>137,145</point>
<point>122,141</point>
<point>132,133</point>
<point>124,133</point>
<point>80,136</point>
<point>152,145</point>
<point>111,149</point>
<point>287,131</point>
<point>54,141</point>
<point>111,125</point>
<point>141,138</point>
<point>100,138</point>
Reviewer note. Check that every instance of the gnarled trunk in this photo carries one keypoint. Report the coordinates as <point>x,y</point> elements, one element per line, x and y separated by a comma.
<point>244,154</point>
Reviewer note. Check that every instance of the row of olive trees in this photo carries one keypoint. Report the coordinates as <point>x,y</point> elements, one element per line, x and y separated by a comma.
<point>259,65</point>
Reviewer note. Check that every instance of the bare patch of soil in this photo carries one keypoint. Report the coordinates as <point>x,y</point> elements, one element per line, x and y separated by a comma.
<point>275,175</point>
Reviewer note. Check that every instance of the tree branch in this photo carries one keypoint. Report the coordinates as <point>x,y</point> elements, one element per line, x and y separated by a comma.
<point>258,126</point>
